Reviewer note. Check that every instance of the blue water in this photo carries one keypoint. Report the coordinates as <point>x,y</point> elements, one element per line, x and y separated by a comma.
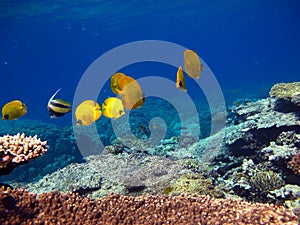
<point>46,45</point>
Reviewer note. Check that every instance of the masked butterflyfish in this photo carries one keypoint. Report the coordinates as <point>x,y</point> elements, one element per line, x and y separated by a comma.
<point>58,107</point>
<point>113,108</point>
<point>131,92</point>
<point>87,113</point>
<point>114,82</point>
<point>192,64</point>
<point>13,110</point>
<point>180,81</point>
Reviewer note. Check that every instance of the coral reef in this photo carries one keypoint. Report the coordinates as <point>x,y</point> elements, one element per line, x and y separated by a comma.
<point>125,173</point>
<point>294,163</point>
<point>258,158</point>
<point>18,149</point>
<point>192,183</point>
<point>265,181</point>
<point>62,149</point>
<point>73,178</point>
<point>285,90</point>
<point>21,207</point>
<point>287,96</point>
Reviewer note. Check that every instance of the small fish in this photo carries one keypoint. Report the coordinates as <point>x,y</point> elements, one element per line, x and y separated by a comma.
<point>180,81</point>
<point>192,64</point>
<point>113,108</point>
<point>58,107</point>
<point>143,129</point>
<point>168,190</point>
<point>87,113</point>
<point>13,110</point>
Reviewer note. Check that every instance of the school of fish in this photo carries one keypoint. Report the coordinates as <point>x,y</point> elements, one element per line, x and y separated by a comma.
<point>128,89</point>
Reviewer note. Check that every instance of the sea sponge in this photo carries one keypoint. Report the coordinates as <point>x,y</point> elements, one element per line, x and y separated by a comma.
<point>18,149</point>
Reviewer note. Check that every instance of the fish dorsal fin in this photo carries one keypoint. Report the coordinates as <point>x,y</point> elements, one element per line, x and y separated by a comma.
<point>52,97</point>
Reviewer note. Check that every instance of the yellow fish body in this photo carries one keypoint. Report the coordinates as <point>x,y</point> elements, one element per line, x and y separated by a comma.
<point>114,82</point>
<point>129,90</point>
<point>13,110</point>
<point>131,93</point>
<point>180,80</point>
<point>58,107</point>
<point>192,64</point>
<point>87,113</point>
<point>113,108</point>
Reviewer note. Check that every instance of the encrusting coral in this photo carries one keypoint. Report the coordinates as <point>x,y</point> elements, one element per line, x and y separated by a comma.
<point>18,149</point>
<point>21,207</point>
<point>287,95</point>
<point>192,183</point>
<point>285,90</point>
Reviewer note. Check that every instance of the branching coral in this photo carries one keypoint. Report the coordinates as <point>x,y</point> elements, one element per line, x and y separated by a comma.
<point>18,149</point>
<point>265,181</point>
<point>21,207</point>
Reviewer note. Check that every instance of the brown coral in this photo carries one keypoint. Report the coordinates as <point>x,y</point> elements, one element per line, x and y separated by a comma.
<point>18,149</point>
<point>294,163</point>
<point>60,208</point>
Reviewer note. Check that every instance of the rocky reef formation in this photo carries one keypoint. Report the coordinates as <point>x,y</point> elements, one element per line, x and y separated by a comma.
<point>287,92</point>
<point>21,207</point>
<point>259,158</point>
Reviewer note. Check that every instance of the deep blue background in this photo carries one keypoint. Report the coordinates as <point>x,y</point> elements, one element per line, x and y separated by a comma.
<point>45,45</point>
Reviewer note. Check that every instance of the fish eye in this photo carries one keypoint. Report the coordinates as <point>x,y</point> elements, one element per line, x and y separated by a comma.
<point>79,122</point>
<point>120,112</point>
<point>6,116</point>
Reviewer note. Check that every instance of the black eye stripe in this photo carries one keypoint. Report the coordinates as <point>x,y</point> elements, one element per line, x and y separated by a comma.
<point>79,122</point>
<point>59,105</point>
